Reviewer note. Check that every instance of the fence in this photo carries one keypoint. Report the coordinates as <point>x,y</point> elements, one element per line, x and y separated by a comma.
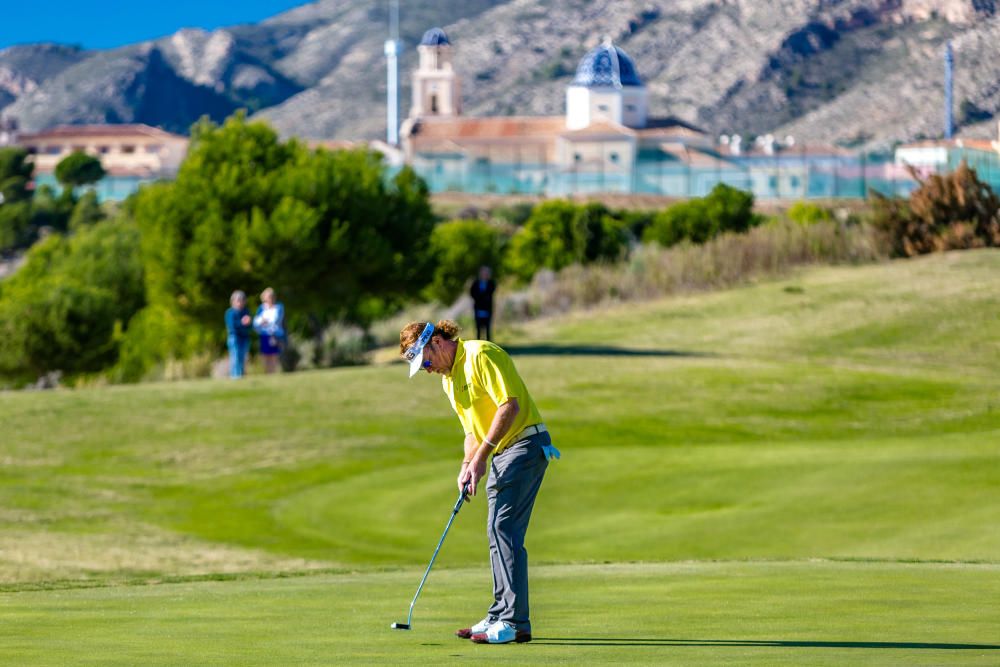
<point>781,176</point>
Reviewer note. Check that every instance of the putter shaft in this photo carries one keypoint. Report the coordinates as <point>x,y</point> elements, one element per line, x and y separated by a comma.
<point>454,512</point>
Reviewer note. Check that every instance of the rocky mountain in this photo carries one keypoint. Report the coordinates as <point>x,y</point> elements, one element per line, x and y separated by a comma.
<point>857,72</point>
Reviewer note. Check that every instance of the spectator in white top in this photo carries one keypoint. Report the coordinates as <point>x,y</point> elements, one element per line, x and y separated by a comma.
<point>269,323</point>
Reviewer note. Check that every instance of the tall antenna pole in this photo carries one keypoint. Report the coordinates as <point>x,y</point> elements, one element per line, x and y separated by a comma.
<point>392,83</point>
<point>949,90</point>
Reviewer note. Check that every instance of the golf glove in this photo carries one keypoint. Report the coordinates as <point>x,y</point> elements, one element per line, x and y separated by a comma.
<point>551,453</point>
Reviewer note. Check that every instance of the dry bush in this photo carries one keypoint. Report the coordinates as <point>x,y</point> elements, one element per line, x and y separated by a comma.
<point>730,259</point>
<point>953,211</point>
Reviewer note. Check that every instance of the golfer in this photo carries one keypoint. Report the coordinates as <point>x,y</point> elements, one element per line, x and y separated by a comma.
<point>501,420</point>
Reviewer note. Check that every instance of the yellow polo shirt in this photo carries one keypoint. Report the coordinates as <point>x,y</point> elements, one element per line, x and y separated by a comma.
<point>483,378</point>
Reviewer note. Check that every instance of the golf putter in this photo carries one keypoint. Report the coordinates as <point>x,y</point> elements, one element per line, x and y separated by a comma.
<point>462,497</point>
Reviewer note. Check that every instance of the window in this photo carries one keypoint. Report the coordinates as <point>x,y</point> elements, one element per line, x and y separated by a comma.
<point>602,107</point>
<point>79,149</point>
<point>53,150</point>
<point>434,103</point>
<point>631,108</point>
<point>577,157</point>
<point>32,150</point>
<point>153,148</point>
<point>613,157</point>
<point>128,148</point>
<point>795,181</point>
<point>103,150</point>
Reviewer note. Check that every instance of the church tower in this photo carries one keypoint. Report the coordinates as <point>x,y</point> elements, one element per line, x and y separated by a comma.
<point>606,87</point>
<point>436,88</point>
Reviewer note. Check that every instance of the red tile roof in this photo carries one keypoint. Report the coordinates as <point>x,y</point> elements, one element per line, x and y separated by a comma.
<point>63,132</point>
<point>975,144</point>
<point>489,128</point>
<point>601,128</point>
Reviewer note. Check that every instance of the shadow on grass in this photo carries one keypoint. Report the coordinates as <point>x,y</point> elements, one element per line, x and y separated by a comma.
<point>595,351</point>
<point>610,641</point>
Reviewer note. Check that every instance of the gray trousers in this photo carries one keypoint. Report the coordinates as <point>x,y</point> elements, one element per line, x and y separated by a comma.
<point>515,476</point>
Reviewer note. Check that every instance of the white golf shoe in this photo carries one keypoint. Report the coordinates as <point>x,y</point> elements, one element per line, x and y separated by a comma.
<point>501,632</point>
<point>479,628</point>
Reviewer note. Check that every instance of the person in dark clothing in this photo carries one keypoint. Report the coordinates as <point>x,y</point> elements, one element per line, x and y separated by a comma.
<point>238,327</point>
<point>482,301</point>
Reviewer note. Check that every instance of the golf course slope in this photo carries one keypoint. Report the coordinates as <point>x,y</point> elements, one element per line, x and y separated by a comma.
<point>800,472</point>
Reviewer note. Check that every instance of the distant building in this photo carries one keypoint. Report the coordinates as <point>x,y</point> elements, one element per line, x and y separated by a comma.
<point>607,142</point>
<point>131,154</point>
<point>8,131</point>
<point>595,145</point>
<point>943,155</point>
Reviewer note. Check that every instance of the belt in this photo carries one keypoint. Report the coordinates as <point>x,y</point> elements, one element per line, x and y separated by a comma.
<point>531,430</point>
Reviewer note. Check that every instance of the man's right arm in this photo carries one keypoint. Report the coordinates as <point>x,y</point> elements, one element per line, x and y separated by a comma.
<point>471,445</point>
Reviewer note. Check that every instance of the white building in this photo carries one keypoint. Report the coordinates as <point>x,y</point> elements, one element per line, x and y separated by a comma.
<point>596,144</point>
<point>136,150</point>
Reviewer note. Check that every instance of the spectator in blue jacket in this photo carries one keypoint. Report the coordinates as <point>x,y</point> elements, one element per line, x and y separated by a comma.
<point>238,333</point>
<point>269,323</point>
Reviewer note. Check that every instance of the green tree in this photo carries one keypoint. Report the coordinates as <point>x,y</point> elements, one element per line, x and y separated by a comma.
<point>86,213</point>
<point>725,209</point>
<point>551,238</point>
<point>458,249</point>
<point>78,169</point>
<point>606,237</point>
<point>15,175</point>
<point>65,308</point>
<point>15,222</point>
<point>328,230</point>
<point>15,198</point>
<point>52,210</point>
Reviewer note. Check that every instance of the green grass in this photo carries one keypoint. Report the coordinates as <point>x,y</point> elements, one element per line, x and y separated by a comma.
<point>779,613</point>
<point>794,472</point>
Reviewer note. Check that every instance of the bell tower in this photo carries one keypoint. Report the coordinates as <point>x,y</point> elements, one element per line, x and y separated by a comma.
<point>436,87</point>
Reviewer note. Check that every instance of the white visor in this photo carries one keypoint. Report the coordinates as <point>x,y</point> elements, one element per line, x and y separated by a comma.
<point>414,355</point>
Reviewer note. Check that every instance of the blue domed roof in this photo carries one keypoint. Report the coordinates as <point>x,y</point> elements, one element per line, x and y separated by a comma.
<point>435,37</point>
<point>607,65</point>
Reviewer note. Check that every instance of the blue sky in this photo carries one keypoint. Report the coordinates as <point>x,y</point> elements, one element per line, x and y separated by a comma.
<point>102,25</point>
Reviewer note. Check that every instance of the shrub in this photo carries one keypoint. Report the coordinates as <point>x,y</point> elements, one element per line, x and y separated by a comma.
<point>730,259</point>
<point>725,209</point>
<point>560,233</point>
<point>551,238</point>
<point>947,212</point>
<point>516,214</point>
<point>458,249</point>
<point>807,213</point>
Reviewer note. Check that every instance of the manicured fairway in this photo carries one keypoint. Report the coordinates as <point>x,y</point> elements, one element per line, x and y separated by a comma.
<point>773,613</point>
<point>795,472</point>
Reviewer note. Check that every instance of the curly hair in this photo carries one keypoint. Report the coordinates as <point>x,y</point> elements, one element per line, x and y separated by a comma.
<point>447,329</point>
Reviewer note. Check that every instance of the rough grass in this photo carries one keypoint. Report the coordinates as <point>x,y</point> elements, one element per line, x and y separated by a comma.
<point>767,252</point>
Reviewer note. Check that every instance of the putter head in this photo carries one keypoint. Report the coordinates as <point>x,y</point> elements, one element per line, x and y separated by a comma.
<point>400,626</point>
